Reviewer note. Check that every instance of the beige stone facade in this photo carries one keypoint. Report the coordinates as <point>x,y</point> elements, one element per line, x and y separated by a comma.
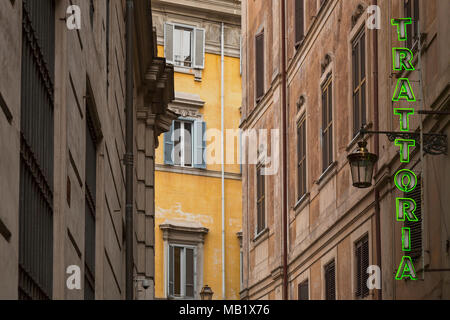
<point>327,220</point>
<point>89,69</point>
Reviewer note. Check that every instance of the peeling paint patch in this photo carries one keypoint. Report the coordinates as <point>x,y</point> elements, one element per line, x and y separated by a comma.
<point>175,212</point>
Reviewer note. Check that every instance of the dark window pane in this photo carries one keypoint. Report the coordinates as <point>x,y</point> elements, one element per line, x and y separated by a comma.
<point>171,270</point>
<point>330,282</point>
<point>189,272</point>
<point>177,271</point>
<point>259,72</point>
<point>363,104</point>
<point>177,143</point>
<point>299,20</point>
<point>187,144</point>
<point>363,57</point>
<point>303,291</point>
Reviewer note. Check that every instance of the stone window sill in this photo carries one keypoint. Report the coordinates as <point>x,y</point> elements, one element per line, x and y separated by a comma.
<point>260,237</point>
<point>301,203</point>
<point>327,175</point>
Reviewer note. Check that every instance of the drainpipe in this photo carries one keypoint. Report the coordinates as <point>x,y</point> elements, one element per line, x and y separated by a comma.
<point>128,158</point>
<point>223,157</point>
<point>377,150</point>
<point>284,147</point>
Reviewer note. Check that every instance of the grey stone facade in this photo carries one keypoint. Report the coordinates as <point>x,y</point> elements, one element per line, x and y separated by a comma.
<point>83,59</point>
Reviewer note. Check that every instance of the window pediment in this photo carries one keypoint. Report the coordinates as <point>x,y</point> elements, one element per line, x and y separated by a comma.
<point>187,105</point>
<point>186,232</point>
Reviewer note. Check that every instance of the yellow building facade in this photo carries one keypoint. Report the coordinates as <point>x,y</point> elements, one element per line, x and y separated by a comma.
<point>190,237</point>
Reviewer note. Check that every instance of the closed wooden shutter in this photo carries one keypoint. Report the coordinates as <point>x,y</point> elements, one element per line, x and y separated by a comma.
<point>199,55</point>
<point>189,272</point>
<point>299,21</point>
<point>171,271</point>
<point>415,226</point>
<point>199,144</point>
<point>362,263</point>
<point>330,281</point>
<point>303,290</point>
<point>259,67</point>
<point>168,42</point>
<point>168,146</point>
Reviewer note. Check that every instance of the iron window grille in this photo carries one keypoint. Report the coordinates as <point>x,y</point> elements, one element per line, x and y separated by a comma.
<point>330,281</point>
<point>36,151</point>
<point>362,263</point>
<point>415,226</point>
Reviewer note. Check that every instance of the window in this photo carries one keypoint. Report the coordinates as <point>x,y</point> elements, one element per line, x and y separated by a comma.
<point>330,281</point>
<point>259,67</point>
<point>301,157</point>
<point>182,269</point>
<point>299,21</point>
<point>35,274</point>
<point>303,290</point>
<point>91,12</point>
<point>412,11</point>
<point>184,46</point>
<point>415,226</point>
<point>261,199</point>
<point>359,82</point>
<point>90,196</point>
<point>183,39</point>
<point>362,263</point>
<point>327,124</point>
<point>185,144</point>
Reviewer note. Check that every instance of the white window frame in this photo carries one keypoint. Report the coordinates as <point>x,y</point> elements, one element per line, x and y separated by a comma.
<point>182,142</point>
<point>183,271</point>
<point>193,42</point>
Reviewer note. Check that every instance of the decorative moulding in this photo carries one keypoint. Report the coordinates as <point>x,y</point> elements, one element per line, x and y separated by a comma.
<point>359,10</point>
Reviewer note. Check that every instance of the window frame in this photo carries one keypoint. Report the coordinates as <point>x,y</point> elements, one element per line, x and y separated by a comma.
<point>258,98</point>
<point>327,126</point>
<point>191,29</point>
<point>182,142</point>
<point>298,38</point>
<point>331,263</point>
<point>302,182</point>
<point>261,223</point>
<point>182,295</point>
<point>359,84</point>
<point>305,281</point>
<point>413,28</point>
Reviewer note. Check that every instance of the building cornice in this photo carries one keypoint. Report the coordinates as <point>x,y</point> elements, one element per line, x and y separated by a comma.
<point>219,10</point>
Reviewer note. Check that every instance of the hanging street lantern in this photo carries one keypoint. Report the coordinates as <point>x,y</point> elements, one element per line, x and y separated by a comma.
<point>361,165</point>
<point>206,293</point>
